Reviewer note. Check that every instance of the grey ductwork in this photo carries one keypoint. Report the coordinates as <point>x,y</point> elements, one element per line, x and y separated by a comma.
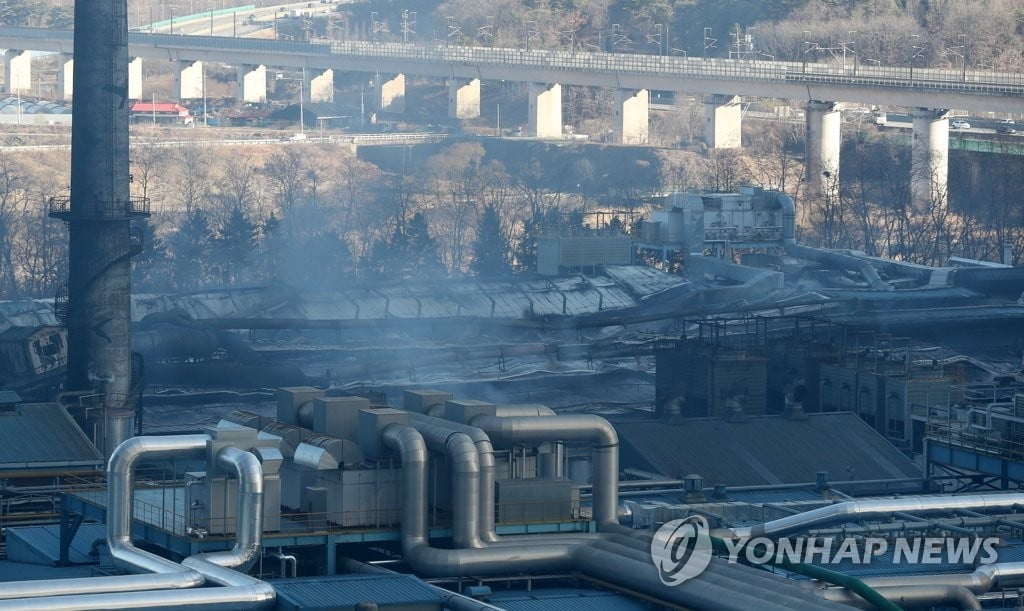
<point>625,561</point>
<point>485,458</point>
<point>445,436</point>
<point>416,549</point>
<point>623,553</point>
<point>912,596</point>
<point>834,259</point>
<point>523,409</point>
<point>983,579</point>
<point>574,427</point>
<point>856,510</point>
<point>323,452</point>
<point>157,590</point>
<point>464,463</point>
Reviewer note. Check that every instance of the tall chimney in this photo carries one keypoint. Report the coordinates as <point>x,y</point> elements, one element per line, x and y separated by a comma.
<point>98,214</point>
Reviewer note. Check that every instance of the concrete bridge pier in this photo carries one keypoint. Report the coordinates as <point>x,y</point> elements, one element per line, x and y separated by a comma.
<point>135,78</point>
<point>545,110</point>
<point>723,121</point>
<point>65,82</point>
<point>391,94</point>
<point>929,158</point>
<point>320,85</point>
<point>189,78</point>
<point>252,83</point>
<point>17,70</point>
<point>824,141</point>
<point>631,113</point>
<point>464,99</point>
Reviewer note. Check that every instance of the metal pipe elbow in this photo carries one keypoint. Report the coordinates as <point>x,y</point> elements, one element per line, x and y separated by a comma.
<point>463,454</point>
<point>407,441</point>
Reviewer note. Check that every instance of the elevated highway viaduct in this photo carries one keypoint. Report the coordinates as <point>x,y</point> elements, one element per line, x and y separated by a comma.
<point>929,93</point>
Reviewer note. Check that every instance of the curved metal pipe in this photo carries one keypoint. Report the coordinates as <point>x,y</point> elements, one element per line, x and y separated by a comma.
<point>616,566</point>
<point>485,456</point>
<point>855,510</point>
<point>285,560</point>
<point>565,427</point>
<point>249,525</point>
<point>464,463</point>
<point>409,444</point>
<point>984,578</point>
<point>160,573</point>
<point>914,596</point>
<point>436,432</point>
<point>121,495</point>
<point>523,409</point>
<point>142,591</point>
<point>835,259</point>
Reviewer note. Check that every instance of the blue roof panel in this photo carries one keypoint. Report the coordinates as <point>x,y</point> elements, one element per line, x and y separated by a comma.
<point>346,591</point>
<point>566,599</point>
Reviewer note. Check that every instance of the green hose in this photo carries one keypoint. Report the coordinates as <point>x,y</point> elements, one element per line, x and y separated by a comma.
<point>849,582</point>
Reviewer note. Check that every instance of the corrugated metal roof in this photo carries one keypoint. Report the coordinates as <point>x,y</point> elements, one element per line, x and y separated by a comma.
<point>346,591</point>
<point>498,300</point>
<point>29,313</point>
<point>41,435</point>
<point>566,599</point>
<point>42,543</point>
<point>17,571</point>
<point>764,449</point>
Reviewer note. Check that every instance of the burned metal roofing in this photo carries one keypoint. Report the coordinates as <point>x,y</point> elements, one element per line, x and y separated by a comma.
<point>620,287</point>
<point>42,435</point>
<point>764,450</point>
<point>29,313</point>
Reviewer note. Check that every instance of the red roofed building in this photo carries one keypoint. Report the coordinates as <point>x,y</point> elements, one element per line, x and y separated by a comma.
<point>161,112</point>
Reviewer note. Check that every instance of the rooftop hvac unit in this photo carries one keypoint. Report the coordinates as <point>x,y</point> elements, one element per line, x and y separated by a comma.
<point>338,416</point>
<point>536,500</point>
<point>295,405</point>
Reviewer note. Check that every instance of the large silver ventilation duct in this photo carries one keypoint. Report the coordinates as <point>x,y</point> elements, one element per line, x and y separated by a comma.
<point>485,457</point>
<point>983,579</point>
<point>593,429</point>
<point>161,588</point>
<point>250,511</point>
<point>431,561</point>
<point>121,495</point>
<point>958,597</point>
<point>446,436</point>
<point>864,268</point>
<point>463,460</point>
<point>626,562</point>
<point>857,510</point>
<point>511,410</point>
<point>623,555</point>
<point>162,573</point>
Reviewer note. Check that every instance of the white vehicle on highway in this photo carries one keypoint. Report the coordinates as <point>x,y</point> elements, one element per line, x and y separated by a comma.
<point>959,124</point>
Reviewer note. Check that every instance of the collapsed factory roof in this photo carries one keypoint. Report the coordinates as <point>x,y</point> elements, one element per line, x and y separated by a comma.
<point>764,450</point>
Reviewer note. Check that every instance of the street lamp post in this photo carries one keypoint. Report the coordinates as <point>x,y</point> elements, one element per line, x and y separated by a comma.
<point>916,51</point>
<point>853,44</point>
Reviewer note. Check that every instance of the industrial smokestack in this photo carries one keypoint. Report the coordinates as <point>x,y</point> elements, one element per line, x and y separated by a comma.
<point>98,214</point>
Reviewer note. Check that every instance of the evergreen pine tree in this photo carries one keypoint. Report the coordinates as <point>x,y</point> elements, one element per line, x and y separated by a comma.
<point>491,248</point>
<point>233,247</point>
<point>423,260</point>
<point>190,251</point>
